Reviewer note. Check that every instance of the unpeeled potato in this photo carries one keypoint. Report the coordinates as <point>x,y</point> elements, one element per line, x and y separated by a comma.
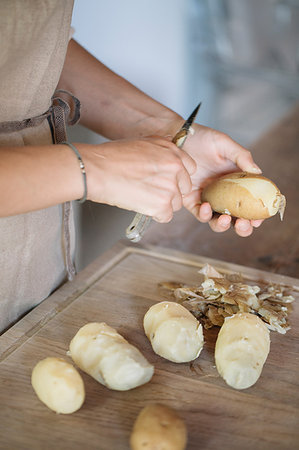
<point>158,427</point>
<point>58,385</point>
<point>245,195</point>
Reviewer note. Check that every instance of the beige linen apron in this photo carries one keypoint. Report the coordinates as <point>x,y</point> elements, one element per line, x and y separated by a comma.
<point>33,40</point>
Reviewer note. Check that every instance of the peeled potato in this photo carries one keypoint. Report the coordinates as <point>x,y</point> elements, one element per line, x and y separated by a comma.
<point>175,334</point>
<point>158,427</point>
<point>245,195</point>
<point>58,384</point>
<point>105,355</point>
<point>242,347</point>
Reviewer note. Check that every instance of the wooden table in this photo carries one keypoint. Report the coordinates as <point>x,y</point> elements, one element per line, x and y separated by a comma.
<point>275,245</point>
<point>118,288</point>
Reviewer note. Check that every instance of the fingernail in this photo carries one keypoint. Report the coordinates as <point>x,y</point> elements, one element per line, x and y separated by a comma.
<point>254,169</point>
<point>244,226</point>
<point>225,221</point>
<point>256,223</point>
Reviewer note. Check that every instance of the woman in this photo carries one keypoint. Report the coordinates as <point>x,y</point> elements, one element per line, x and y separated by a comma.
<point>139,169</point>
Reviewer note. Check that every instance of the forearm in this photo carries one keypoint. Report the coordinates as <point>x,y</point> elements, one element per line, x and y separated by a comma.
<point>112,106</point>
<point>36,177</point>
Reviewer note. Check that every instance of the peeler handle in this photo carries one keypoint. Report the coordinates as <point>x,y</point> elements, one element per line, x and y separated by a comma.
<point>138,227</point>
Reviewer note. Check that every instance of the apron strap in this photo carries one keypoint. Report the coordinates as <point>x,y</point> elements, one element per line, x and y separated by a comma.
<point>65,111</point>
<point>12,126</point>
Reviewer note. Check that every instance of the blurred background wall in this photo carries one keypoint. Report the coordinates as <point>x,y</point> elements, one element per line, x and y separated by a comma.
<point>239,57</point>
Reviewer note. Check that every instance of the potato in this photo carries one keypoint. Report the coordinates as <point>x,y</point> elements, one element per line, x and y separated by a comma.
<point>175,334</point>
<point>242,347</point>
<point>105,355</point>
<point>244,195</point>
<point>58,385</point>
<point>158,427</point>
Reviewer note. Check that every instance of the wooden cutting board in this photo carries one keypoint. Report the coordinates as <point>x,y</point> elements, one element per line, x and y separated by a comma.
<point>118,288</point>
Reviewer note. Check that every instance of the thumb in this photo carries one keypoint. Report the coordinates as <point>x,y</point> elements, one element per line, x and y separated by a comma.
<point>241,157</point>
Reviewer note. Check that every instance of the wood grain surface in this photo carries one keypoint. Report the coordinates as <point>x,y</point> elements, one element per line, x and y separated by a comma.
<point>272,247</point>
<point>118,289</point>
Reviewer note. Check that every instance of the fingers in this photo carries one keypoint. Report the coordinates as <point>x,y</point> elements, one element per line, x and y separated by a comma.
<point>177,202</point>
<point>183,166</point>
<point>256,223</point>
<point>191,202</point>
<point>163,218</point>
<point>243,227</point>
<point>186,159</point>
<point>221,223</point>
<point>204,212</point>
<point>184,182</point>
<point>173,180</point>
<point>218,223</point>
<point>188,162</point>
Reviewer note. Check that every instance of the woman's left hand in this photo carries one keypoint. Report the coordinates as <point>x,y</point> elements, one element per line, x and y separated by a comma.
<point>215,154</point>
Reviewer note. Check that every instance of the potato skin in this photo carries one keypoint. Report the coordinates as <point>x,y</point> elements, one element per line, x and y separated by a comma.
<point>158,427</point>
<point>244,195</point>
<point>58,385</point>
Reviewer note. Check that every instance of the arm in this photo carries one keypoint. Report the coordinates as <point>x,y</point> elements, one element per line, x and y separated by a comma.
<point>145,175</point>
<point>35,177</point>
<point>116,109</point>
<point>148,175</point>
<point>110,105</point>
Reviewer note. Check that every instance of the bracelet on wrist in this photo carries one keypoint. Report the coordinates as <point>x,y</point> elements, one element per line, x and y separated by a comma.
<point>82,167</point>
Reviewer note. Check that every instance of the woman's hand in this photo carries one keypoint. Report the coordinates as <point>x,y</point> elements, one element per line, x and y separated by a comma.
<point>147,175</point>
<point>117,109</point>
<point>216,154</point>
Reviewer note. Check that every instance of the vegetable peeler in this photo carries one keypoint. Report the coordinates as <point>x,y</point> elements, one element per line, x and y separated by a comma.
<point>140,223</point>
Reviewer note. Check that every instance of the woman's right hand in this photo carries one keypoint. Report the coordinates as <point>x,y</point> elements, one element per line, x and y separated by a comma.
<point>148,175</point>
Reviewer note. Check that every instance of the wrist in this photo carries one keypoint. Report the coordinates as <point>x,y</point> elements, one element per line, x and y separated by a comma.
<point>164,125</point>
<point>81,165</point>
<point>96,163</point>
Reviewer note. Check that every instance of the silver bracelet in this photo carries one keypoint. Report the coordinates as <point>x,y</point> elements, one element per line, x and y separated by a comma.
<point>82,167</point>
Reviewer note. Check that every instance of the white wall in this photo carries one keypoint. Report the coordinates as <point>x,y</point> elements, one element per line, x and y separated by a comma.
<point>168,49</point>
<point>146,41</point>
